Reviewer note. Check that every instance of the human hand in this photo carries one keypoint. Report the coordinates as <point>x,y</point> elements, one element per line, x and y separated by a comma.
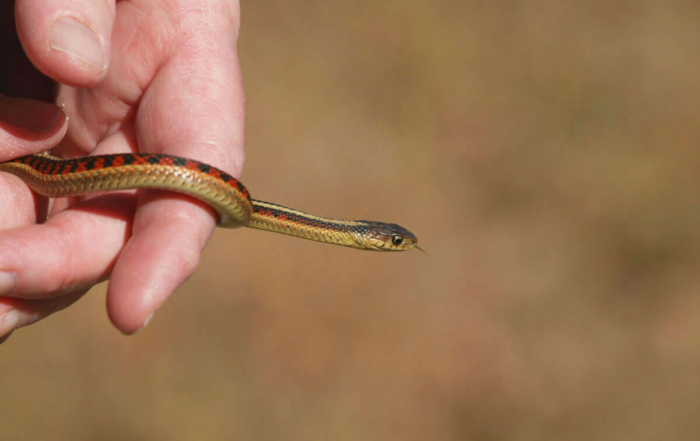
<point>149,76</point>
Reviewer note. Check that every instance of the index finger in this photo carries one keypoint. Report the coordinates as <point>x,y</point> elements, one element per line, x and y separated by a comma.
<point>194,107</point>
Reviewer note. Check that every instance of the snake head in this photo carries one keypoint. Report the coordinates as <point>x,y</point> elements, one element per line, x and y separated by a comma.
<point>380,236</point>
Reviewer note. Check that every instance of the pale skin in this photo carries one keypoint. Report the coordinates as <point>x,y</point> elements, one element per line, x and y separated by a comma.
<point>157,76</point>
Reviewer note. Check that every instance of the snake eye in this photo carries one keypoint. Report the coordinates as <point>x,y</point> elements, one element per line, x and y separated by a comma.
<point>396,239</point>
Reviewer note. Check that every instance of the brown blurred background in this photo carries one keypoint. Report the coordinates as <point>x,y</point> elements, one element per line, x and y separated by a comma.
<point>545,153</point>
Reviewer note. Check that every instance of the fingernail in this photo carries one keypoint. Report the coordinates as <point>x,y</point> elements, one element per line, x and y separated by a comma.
<point>8,283</point>
<point>36,116</point>
<point>73,37</point>
<point>146,322</point>
<point>9,321</point>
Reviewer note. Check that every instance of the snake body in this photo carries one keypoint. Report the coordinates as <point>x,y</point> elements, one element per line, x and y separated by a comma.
<point>54,177</point>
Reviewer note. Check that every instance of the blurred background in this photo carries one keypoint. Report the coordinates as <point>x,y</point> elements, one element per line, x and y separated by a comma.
<point>546,156</point>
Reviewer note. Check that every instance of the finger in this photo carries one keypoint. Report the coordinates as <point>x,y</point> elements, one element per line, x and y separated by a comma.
<point>28,126</point>
<point>67,40</point>
<point>194,107</point>
<point>151,267</point>
<point>15,313</point>
<point>71,251</point>
<point>27,208</point>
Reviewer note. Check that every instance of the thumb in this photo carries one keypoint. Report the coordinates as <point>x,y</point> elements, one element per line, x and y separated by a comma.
<point>67,40</point>
<point>28,126</point>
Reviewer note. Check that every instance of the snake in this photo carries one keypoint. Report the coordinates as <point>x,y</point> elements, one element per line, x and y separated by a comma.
<point>54,177</point>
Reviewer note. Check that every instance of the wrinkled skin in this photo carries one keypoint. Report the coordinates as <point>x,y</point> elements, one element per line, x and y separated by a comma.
<point>158,76</point>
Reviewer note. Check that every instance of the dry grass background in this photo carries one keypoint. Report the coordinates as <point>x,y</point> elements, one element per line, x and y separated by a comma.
<point>546,155</point>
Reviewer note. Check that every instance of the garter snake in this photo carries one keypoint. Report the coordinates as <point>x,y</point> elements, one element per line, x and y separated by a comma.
<point>54,177</point>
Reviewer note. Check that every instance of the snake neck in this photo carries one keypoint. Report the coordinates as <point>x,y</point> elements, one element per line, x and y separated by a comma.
<point>279,219</point>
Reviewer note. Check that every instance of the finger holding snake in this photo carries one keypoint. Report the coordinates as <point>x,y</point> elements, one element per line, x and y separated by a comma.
<point>173,86</point>
<point>26,126</point>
